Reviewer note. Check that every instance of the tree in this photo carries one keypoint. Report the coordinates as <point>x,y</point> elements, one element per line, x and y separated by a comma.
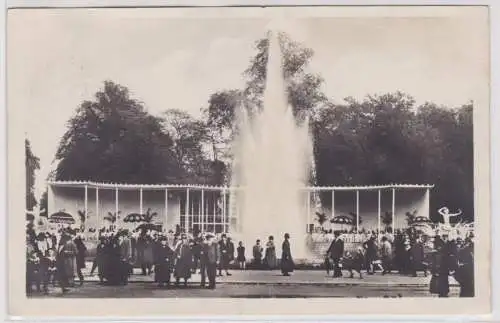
<point>32,164</point>
<point>149,216</point>
<point>112,216</point>
<point>44,204</point>
<point>356,219</point>
<point>304,92</point>
<point>321,218</point>
<point>387,139</point>
<point>387,219</point>
<point>193,141</point>
<point>83,219</point>
<point>114,139</point>
<point>410,217</point>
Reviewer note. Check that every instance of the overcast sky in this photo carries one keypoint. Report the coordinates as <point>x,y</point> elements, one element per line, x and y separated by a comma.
<point>58,58</point>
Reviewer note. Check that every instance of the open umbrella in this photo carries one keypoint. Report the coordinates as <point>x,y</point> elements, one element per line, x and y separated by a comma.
<point>61,217</point>
<point>342,220</point>
<point>420,220</point>
<point>149,226</point>
<point>134,217</point>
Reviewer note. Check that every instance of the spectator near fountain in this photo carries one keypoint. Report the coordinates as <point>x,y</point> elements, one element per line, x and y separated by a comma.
<point>287,265</point>
<point>270,255</point>
<point>336,252</point>
<point>257,254</point>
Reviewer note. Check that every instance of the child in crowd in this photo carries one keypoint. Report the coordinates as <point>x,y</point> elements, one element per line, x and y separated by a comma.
<point>241,256</point>
<point>354,262</point>
<point>52,270</point>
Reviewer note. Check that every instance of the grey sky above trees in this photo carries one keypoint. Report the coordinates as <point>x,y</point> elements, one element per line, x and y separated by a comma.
<point>381,139</point>
<point>178,63</point>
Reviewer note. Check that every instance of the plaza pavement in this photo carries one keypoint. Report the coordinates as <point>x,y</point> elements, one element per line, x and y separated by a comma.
<point>299,277</point>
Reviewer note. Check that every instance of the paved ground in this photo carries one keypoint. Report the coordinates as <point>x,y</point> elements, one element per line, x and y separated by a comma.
<point>150,290</point>
<point>263,284</point>
<point>302,277</point>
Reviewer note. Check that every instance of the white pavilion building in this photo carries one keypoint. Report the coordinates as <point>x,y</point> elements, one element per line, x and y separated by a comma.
<point>212,208</point>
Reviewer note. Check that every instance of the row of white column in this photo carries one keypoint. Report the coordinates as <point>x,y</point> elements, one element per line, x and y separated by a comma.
<point>187,207</point>
<point>379,215</point>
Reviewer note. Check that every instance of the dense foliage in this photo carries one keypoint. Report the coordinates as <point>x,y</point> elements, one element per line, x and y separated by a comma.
<point>32,164</point>
<point>378,140</point>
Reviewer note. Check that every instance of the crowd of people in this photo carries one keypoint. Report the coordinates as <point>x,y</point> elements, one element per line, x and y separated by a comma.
<point>172,257</point>
<point>405,252</point>
<point>57,259</point>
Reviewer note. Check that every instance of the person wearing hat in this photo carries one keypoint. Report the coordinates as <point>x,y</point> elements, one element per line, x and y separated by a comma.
<point>336,252</point>
<point>286,257</point>
<point>209,257</point>
<point>270,254</point>
<point>225,250</point>
<point>184,261</point>
<point>100,259</point>
<point>66,261</point>
<point>196,248</point>
<point>164,259</point>
<point>464,274</point>
<point>257,254</point>
<point>80,255</point>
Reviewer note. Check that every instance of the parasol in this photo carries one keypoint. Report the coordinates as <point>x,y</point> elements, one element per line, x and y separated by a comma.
<point>149,226</point>
<point>342,220</point>
<point>421,220</point>
<point>134,217</point>
<point>61,217</point>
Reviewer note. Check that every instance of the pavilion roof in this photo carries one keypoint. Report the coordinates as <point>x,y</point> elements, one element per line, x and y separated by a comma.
<point>125,186</point>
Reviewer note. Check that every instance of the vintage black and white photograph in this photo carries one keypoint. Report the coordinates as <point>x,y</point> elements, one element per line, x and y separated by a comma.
<point>249,155</point>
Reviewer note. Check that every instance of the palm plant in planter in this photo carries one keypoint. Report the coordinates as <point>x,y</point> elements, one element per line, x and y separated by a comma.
<point>83,217</point>
<point>149,216</point>
<point>112,217</point>
<point>356,219</point>
<point>410,217</point>
<point>387,220</point>
<point>321,218</point>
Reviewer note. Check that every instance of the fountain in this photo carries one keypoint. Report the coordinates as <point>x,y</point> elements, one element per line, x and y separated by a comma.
<point>272,165</point>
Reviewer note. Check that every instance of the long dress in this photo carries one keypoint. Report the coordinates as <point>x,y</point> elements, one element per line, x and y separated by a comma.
<point>163,264</point>
<point>66,262</point>
<point>270,257</point>
<point>465,271</point>
<point>287,264</point>
<point>184,262</point>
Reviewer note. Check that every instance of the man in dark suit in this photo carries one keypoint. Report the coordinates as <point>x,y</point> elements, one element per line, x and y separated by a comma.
<point>336,252</point>
<point>225,257</point>
<point>210,257</point>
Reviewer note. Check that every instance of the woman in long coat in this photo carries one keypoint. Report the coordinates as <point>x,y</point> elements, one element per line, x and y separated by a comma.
<point>163,263</point>
<point>440,270</point>
<point>286,257</point>
<point>184,261</point>
<point>465,271</point>
<point>80,256</point>
<point>417,257</point>
<point>148,255</point>
<point>370,247</point>
<point>270,256</point>
<point>66,261</point>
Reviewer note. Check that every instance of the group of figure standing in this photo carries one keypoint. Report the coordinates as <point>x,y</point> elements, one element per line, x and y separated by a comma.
<point>58,259</point>
<point>54,259</point>
<point>269,260</point>
<point>448,257</point>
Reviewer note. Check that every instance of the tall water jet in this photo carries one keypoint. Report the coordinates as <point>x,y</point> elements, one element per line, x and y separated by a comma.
<point>272,165</point>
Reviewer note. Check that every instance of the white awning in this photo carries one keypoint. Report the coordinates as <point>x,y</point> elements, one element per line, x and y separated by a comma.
<point>124,186</point>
